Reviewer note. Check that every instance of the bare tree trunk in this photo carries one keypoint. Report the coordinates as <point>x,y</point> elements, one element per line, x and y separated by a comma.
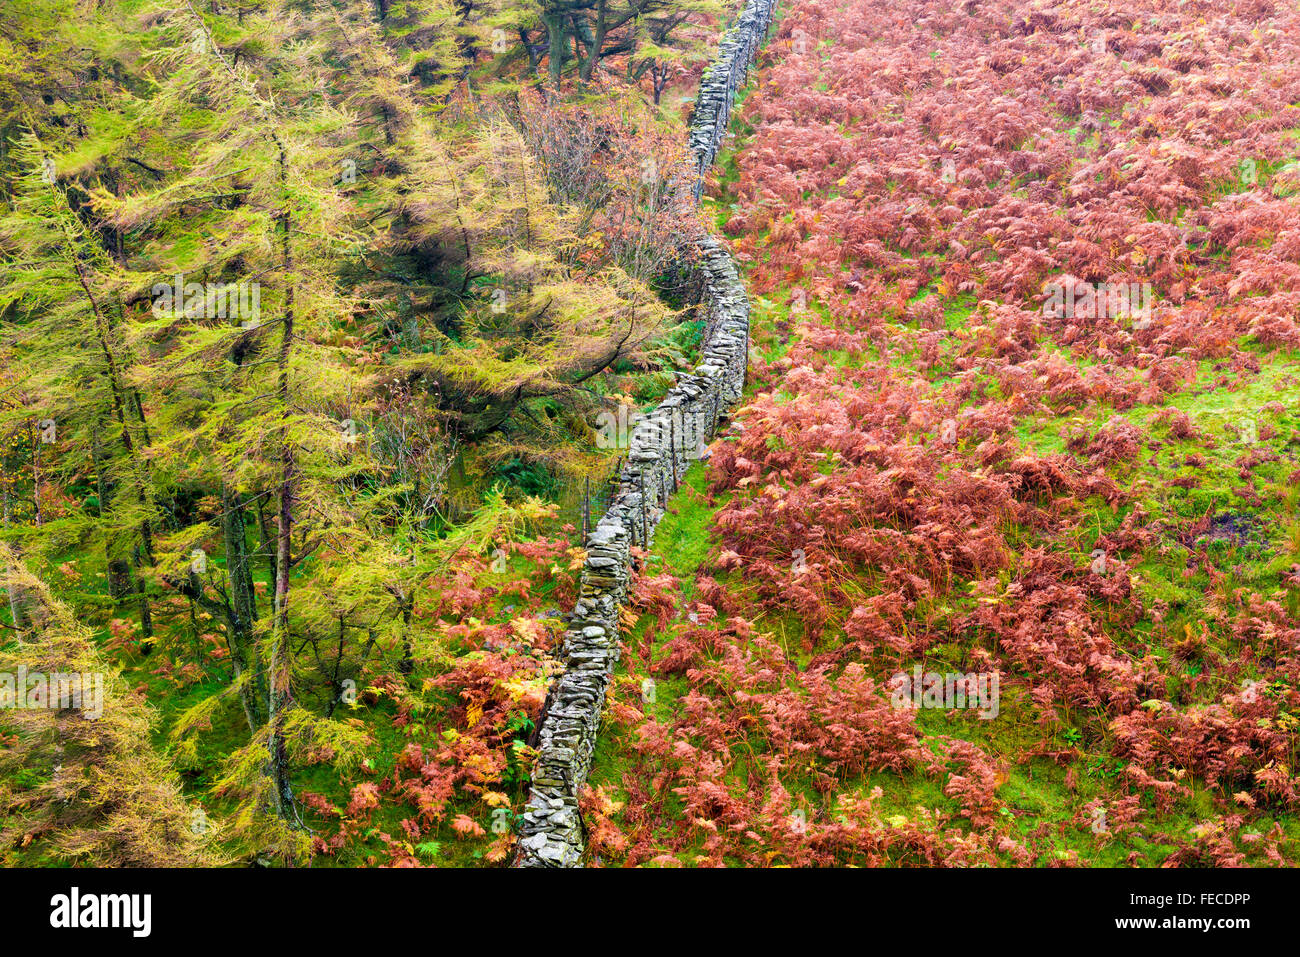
<point>17,600</point>
<point>117,569</point>
<point>144,552</point>
<point>243,609</point>
<point>146,616</point>
<point>281,699</point>
<point>557,37</point>
<point>407,604</point>
<point>597,41</point>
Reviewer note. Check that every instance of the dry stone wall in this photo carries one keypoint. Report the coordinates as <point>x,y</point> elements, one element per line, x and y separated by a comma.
<point>721,82</point>
<point>661,449</point>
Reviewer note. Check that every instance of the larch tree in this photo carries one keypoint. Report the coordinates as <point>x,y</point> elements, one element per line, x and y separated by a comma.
<point>67,295</point>
<point>102,789</point>
<point>244,334</point>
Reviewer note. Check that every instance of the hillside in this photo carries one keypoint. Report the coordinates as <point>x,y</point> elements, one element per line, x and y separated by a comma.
<point>1022,416</point>
<point>819,434</point>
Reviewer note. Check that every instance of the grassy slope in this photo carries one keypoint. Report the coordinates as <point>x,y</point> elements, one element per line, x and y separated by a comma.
<point>1253,553</point>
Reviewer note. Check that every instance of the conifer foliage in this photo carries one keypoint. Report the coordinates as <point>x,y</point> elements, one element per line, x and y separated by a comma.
<point>290,296</point>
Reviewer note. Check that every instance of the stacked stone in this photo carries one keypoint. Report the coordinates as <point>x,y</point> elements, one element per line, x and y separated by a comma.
<point>551,831</point>
<point>720,83</point>
<point>662,448</point>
